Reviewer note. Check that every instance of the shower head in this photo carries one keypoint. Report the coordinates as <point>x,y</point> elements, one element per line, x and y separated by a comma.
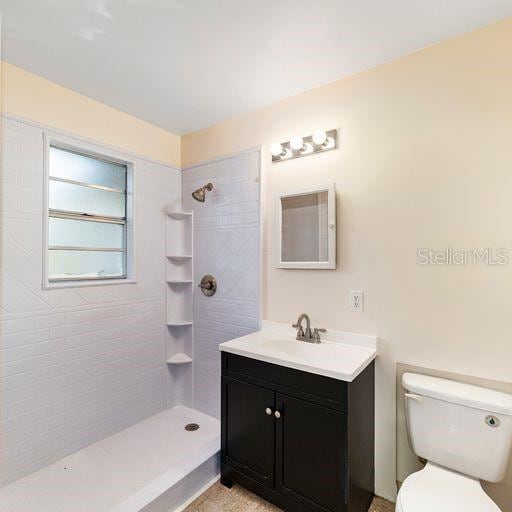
<point>200,193</point>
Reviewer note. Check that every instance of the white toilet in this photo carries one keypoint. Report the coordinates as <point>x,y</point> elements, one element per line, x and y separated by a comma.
<point>465,434</point>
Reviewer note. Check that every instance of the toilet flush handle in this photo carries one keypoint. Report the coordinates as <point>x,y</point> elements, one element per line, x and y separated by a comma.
<point>412,396</point>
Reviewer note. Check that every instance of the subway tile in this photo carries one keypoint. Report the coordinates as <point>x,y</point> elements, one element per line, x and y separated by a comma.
<point>76,364</point>
<point>24,338</point>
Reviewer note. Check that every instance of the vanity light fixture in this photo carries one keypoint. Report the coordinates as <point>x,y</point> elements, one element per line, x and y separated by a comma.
<point>302,146</point>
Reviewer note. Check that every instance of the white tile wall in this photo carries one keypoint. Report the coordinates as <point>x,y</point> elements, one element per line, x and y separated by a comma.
<point>226,244</point>
<point>76,365</point>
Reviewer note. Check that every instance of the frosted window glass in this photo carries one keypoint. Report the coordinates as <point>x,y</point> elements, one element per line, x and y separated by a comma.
<point>83,248</point>
<point>81,233</point>
<point>82,264</point>
<point>75,198</point>
<point>72,166</point>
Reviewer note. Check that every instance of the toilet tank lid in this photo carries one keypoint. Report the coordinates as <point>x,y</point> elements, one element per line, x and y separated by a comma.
<point>458,393</point>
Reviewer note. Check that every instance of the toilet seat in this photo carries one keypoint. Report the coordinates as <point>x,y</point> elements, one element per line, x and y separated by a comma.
<point>437,489</point>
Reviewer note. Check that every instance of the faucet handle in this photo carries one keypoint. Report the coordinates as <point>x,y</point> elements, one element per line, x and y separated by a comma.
<point>316,334</point>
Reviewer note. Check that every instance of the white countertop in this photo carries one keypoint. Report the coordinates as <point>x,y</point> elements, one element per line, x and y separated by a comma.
<point>341,355</point>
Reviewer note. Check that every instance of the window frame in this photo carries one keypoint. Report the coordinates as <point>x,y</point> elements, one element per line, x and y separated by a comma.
<point>101,153</point>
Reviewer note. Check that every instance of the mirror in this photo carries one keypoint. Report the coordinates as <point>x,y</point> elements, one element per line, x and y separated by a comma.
<point>306,229</point>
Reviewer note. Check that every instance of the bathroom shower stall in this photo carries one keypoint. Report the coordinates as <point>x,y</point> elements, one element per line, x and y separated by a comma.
<point>110,394</point>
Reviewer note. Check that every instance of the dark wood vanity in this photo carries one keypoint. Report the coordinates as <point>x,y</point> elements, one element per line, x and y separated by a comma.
<point>302,441</point>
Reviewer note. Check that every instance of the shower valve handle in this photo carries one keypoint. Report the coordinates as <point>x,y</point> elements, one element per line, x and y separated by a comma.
<point>208,285</point>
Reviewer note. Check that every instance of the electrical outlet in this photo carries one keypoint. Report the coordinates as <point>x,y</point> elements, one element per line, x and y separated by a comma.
<point>356,300</point>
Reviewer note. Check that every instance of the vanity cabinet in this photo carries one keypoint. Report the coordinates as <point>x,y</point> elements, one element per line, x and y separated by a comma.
<point>302,441</point>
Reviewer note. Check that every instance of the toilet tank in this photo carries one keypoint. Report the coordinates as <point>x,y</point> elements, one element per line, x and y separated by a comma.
<point>459,426</point>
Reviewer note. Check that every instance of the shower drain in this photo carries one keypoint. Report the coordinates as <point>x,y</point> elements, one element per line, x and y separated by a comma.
<point>191,427</point>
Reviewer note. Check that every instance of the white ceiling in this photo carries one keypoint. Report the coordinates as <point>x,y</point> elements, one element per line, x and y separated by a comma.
<point>187,64</point>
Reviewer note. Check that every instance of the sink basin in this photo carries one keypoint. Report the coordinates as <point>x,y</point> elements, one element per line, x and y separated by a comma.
<point>341,360</point>
<point>317,351</point>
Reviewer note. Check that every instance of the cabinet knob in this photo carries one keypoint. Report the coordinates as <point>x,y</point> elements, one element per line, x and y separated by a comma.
<point>268,410</point>
<point>277,414</point>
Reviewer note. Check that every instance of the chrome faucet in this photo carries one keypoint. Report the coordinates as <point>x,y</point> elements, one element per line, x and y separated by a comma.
<point>301,335</point>
<point>307,335</point>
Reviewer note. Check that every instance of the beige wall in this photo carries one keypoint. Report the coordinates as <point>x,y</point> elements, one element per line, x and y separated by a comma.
<point>36,99</point>
<point>425,161</point>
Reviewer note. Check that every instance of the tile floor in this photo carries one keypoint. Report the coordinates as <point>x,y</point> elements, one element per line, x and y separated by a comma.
<point>220,499</point>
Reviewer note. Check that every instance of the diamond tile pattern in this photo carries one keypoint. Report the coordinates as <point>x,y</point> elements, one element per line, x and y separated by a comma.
<point>226,245</point>
<point>78,364</point>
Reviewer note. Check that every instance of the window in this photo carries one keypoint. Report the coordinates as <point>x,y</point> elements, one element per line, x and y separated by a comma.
<point>87,217</point>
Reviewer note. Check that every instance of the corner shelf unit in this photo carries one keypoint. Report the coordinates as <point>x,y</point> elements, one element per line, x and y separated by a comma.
<point>179,293</point>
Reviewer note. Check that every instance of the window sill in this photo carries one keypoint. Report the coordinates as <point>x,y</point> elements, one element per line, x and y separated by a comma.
<point>83,284</point>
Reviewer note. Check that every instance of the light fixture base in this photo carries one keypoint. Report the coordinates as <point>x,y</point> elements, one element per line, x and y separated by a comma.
<point>331,142</point>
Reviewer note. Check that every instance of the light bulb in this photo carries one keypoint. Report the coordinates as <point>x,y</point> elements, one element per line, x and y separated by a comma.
<point>319,137</point>
<point>276,149</point>
<point>297,143</point>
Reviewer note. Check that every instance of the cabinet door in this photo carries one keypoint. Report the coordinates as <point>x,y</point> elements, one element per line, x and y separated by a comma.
<point>311,455</point>
<point>248,429</point>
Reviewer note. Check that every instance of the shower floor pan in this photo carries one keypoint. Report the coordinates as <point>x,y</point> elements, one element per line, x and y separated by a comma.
<point>153,466</point>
